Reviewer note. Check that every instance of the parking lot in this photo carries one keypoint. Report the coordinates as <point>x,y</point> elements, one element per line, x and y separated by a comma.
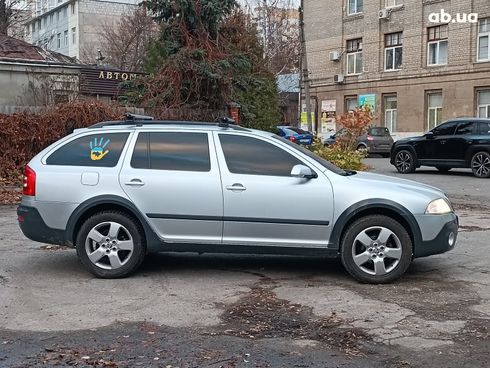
<point>186,310</point>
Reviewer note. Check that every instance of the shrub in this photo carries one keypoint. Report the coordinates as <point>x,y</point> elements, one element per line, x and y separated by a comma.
<point>354,125</point>
<point>339,156</point>
<point>23,135</point>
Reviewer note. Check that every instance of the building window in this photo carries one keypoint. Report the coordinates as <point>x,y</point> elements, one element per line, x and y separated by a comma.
<point>354,56</point>
<point>66,37</point>
<point>65,11</point>
<point>393,3</point>
<point>51,18</point>
<point>59,40</point>
<point>393,51</point>
<point>484,40</point>
<point>434,109</point>
<point>45,21</point>
<point>73,8</point>
<point>58,15</point>
<point>74,35</point>
<point>483,98</point>
<point>33,27</point>
<point>354,6</point>
<point>437,45</point>
<point>351,103</point>
<point>390,106</point>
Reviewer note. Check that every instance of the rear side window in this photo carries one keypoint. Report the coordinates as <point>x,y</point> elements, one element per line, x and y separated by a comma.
<point>172,151</point>
<point>467,128</point>
<point>251,156</point>
<point>485,128</point>
<point>379,132</point>
<point>96,150</point>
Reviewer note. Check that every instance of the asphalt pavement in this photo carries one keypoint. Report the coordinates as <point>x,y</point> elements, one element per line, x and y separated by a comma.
<point>186,310</point>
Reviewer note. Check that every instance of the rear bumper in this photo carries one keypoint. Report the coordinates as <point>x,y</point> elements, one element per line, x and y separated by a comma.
<point>33,226</point>
<point>444,241</point>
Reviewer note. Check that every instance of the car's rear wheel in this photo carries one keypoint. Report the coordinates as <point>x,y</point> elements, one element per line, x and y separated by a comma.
<point>443,169</point>
<point>405,162</point>
<point>110,244</point>
<point>376,249</point>
<point>480,164</point>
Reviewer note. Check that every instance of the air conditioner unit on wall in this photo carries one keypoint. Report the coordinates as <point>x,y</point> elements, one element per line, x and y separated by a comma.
<point>339,78</point>
<point>334,56</point>
<point>383,14</point>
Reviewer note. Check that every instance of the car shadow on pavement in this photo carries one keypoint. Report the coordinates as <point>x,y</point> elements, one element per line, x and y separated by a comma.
<point>254,264</point>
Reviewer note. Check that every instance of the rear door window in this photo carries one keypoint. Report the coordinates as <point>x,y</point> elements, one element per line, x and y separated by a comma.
<point>172,151</point>
<point>485,128</point>
<point>95,150</point>
<point>379,132</point>
<point>467,128</point>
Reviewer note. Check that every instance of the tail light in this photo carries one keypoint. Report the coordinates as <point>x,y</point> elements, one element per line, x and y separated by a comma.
<point>29,182</point>
<point>292,139</point>
<point>370,138</point>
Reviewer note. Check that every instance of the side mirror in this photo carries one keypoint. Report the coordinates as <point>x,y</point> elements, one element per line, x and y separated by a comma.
<point>429,135</point>
<point>304,172</point>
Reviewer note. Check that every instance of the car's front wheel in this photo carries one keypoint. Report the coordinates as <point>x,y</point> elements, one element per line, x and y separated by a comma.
<point>376,249</point>
<point>480,164</point>
<point>110,244</point>
<point>405,162</point>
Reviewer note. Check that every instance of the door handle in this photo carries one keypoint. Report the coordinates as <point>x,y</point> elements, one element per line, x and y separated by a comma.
<point>237,187</point>
<point>135,183</point>
<point>443,142</point>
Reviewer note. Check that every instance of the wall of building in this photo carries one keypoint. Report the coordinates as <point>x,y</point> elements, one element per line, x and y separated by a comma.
<point>16,77</point>
<point>83,21</point>
<point>328,27</point>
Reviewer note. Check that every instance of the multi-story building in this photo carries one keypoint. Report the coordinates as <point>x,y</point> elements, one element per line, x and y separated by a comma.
<point>416,62</point>
<point>72,27</point>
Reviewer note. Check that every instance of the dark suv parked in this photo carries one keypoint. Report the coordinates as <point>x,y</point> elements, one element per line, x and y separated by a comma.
<point>376,140</point>
<point>463,143</point>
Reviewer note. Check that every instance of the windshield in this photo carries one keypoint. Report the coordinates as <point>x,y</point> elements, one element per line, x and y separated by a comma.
<point>307,152</point>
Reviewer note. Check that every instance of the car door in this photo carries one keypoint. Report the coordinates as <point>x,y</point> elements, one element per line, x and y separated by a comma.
<point>263,204</point>
<point>443,138</point>
<point>463,138</point>
<point>173,178</point>
<point>432,147</point>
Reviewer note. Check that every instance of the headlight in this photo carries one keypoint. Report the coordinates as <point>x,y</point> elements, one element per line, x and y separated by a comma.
<point>439,207</point>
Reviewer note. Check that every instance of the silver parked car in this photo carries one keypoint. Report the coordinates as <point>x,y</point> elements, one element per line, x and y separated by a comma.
<point>119,190</point>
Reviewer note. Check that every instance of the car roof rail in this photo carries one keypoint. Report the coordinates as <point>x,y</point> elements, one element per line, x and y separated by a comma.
<point>142,120</point>
<point>131,116</point>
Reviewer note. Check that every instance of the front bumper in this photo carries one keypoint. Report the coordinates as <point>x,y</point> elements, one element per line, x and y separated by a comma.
<point>443,242</point>
<point>33,226</point>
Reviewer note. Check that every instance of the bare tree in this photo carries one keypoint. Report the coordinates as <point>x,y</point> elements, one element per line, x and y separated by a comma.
<point>278,26</point>
<point>44,89</point>
<point>124,42</point>
<point>13,13</point>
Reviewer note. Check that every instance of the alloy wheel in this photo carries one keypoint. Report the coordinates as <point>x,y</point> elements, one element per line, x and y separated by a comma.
<point>377,250</point>
<point>480,164</point>
<point>109,245</point>
<point>403,161</point>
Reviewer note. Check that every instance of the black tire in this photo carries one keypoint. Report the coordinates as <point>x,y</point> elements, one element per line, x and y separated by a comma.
<point>362,147</point>
<point>130,230</point>
<point>398,243</point>
<point>480,164</point>
<point>443,169</point>
<point>405,162</point>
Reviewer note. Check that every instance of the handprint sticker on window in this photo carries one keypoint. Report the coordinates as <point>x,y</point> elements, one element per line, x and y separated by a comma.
<point>98,149</point>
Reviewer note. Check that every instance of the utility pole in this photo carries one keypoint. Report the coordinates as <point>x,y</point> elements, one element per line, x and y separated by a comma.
<point>304,68</point>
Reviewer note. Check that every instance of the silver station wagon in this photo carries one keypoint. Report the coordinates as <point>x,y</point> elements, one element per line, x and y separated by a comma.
<point>120,190</point>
